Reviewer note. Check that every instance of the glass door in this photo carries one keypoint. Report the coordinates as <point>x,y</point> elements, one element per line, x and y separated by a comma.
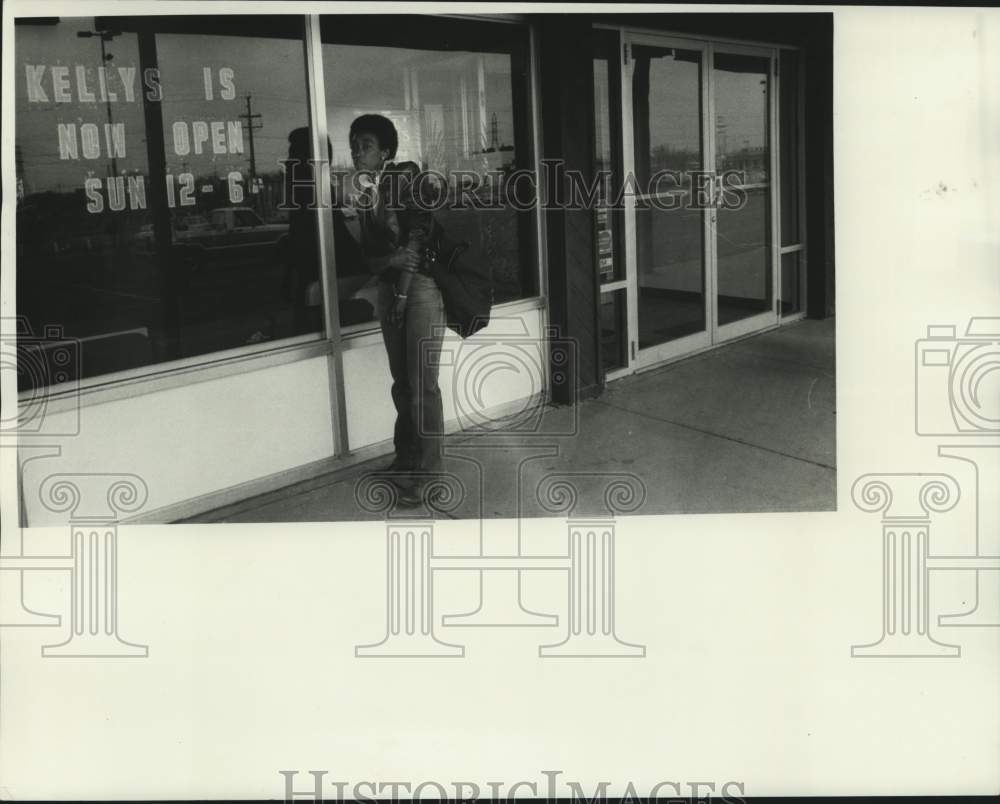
<point>665,99</point>
<point>743,237</point>
<point>699,209</point>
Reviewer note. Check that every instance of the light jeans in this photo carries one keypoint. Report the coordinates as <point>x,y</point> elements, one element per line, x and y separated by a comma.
<point>413,350</point>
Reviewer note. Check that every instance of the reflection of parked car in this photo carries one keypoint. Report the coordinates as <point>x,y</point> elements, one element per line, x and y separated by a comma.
<point>183,228</point>
<point>145,239</point>
<point>233,236</point>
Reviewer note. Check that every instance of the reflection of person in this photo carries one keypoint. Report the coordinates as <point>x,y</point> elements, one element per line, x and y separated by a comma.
<point>411,309</point>
<point>301,280</point>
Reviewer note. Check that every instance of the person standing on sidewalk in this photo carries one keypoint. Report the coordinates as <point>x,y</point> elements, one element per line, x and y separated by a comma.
<point>412,322</point>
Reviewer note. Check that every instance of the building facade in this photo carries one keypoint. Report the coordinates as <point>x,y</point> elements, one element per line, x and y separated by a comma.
<point>643,188</point>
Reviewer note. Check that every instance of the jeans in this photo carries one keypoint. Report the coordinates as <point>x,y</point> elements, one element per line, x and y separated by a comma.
<point>413,350</point>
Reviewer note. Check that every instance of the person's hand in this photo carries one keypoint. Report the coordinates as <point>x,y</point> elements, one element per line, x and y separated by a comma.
<point>397,313</point>
<point>427,263</point>
<point>404,259</point>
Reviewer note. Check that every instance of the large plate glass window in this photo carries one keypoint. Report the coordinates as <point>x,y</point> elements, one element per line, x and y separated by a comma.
<point>457,93</point>
<point>149,186</point>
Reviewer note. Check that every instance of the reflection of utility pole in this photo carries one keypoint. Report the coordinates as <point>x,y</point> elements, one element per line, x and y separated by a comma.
<point>105,35</point>
<point>722,138</point>
<point>763,122</point>
<point>494,133</point>
<point>250,117</point>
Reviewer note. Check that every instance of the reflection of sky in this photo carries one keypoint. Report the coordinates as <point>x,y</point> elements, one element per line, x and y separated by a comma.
<point>741,105</point>
<point>368,79</point>
<point>675,106</point>
<point>36,130</point>
<point>358,80</point>
<point>271,70</point>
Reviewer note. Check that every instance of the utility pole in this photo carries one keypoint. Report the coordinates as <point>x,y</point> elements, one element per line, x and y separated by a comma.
<point>250,117</point>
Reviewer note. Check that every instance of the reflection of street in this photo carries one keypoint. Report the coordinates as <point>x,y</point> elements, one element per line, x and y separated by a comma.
<point>231,235</point>
<point>91,286</point>
<point>222,305</point>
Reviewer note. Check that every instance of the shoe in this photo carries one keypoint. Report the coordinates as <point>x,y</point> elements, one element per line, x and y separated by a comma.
<point>414,494</point>
<point>410,497</point>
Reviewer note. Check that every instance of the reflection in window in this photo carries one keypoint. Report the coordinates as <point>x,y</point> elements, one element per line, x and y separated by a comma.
<point>669,237</point>
<point>666,95</point>
<point>148,186</point>
<point>461,113</point>
<point>743,143</point>
<point>743,246</point>
<point>741,116</point>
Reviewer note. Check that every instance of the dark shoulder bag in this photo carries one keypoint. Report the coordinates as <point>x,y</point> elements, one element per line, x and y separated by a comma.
<point>467,288</point>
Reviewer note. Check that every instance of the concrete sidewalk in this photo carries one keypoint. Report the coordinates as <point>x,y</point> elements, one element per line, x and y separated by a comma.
<point>747,427</point>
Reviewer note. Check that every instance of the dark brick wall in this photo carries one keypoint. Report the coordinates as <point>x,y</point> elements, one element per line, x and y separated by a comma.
<point>567,109</point>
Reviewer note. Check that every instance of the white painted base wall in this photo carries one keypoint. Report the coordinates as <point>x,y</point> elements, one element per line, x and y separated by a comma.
<point>201,439</point>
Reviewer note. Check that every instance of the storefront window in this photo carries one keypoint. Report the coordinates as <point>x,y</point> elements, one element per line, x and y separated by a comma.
<point>149,225</point>
<point>456,92</point>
